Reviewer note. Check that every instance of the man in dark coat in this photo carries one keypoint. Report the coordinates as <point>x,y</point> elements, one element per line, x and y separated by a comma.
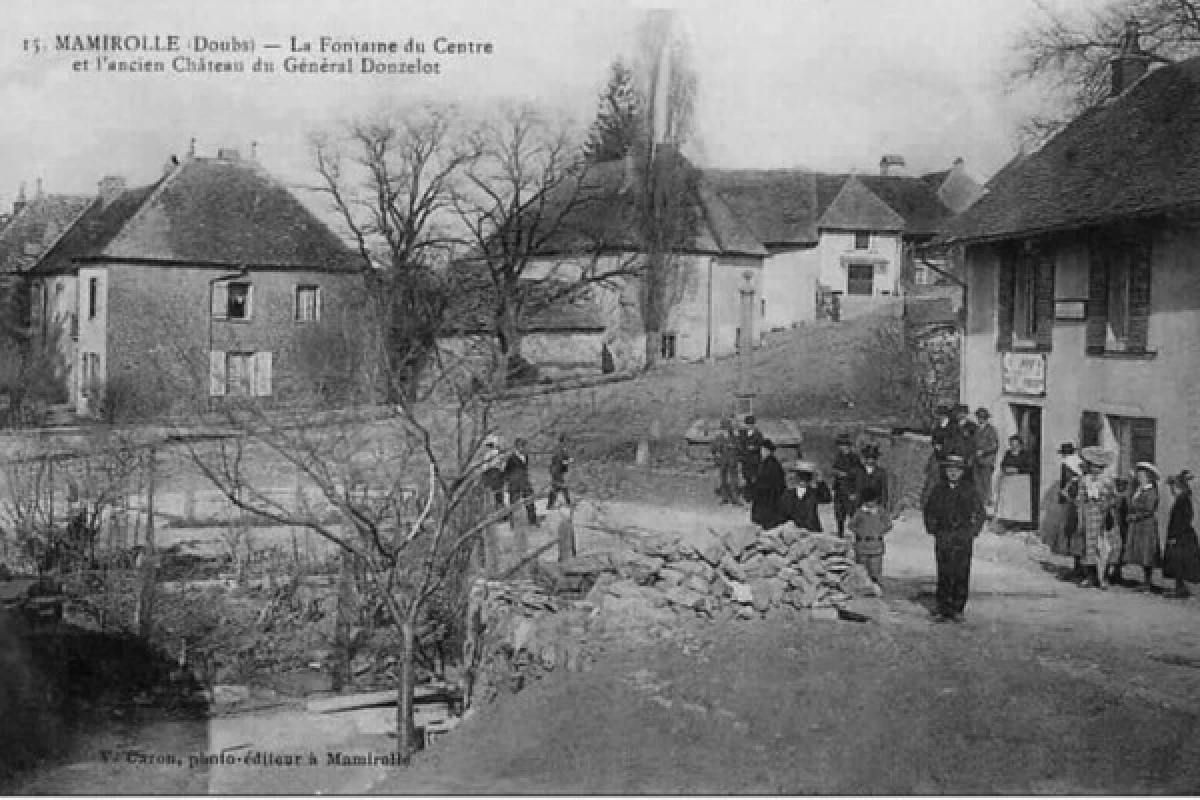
<point>725,454</point>
<point>750,441</point>
<point>960,440</point>
<point>953,516</point>
<point>799,504</point>
<point>937,437</point>
<point>987,445</point>
<point>847,467</point>
<point>768,489</point>
<point>516,473</point>
<point>873,476</point>
<point>559,462</point>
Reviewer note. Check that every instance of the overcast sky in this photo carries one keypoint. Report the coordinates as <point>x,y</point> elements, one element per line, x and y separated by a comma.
<point>825,84</point>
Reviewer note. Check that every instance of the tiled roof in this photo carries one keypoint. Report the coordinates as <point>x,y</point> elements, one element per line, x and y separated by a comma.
<point>777,205</point>
<point>37,226</point>
<point>1135,155</point>
<point>207,211</point>
<point>858,208</point>
<point>471,304</point>
<point>915,199</point>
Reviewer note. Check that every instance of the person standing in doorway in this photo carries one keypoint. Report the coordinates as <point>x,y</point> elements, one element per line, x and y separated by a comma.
<point>559,462</point>
<point>847,469</point>
<point>1181,560</point>
<point>1142,547</point>
<point>987,444</point>
<point>1014,497</point>
<point>953,516</point>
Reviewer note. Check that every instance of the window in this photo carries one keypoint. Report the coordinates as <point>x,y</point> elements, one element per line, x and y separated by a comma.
<point>1118,304</point>
<point>308,304</point>
<point>93,294</point>
<point>862,240</point>
<point>232,300</point>
<point>860,279</point>
<point>668,345</point>
<point>239,374</point>
<point>1025,299</point>
<point>1132,439</point>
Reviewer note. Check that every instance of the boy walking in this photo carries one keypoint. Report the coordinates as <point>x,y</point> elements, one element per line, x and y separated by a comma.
<point>869,525</point>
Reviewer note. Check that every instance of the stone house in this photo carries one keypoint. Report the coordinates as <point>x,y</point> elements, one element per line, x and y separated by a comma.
<point>211,284</point>
<point>1083,300</point>
<point>857,237</point>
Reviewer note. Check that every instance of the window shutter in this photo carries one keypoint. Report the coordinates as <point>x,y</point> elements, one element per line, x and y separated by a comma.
<point>1005,286</point>
<point>216,373</point>
<point>262,374</point>
<point>1141,269</point>
<point>1097,304</point>
<point>220,300</point>
<point>1089,433</point>
<point>1142,436</point>
<point>250,301</point>
<point>1044,300</point>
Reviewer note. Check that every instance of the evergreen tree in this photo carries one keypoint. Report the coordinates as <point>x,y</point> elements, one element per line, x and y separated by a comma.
<point>614,133</point>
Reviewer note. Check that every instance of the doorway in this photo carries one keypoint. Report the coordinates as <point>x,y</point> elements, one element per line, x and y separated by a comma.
<point>1028,423</point>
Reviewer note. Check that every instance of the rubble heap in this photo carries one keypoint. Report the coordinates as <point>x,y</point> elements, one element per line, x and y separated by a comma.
<point>746,571</point>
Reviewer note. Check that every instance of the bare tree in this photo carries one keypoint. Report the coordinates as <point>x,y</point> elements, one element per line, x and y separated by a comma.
<point>1067,54</point>
<point>541,228</point>
<point>390,179</point>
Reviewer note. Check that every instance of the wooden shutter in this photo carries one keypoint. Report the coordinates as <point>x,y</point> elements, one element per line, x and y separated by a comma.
<point>1089,429</point>
<point>249,301</point>
<point>1141,269</point>
<point>262,374</point>
<point>1097,303</point>
<point>1142,438</point>
<point>216,373</point>
<point>1043,300</point>
<point>1005,286</point>
<point>220,300</point>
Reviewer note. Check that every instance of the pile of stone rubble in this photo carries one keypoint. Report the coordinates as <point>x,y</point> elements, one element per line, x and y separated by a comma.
<point>745,571</point>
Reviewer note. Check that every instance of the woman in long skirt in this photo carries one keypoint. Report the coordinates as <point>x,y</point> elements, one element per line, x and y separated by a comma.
<point>1095,499</point>
<point>1014,497</point>
<point>1061,521</point>
<point>1181,560</point>
<point>1141,546</point>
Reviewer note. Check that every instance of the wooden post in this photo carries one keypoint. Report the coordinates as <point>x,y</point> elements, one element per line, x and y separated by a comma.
<point>341,636</point>
<point>566,535</point>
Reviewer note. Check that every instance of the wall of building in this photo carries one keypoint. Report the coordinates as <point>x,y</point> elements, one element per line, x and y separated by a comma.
<point>54,304</point>
<point>835,245</point>
<point>790,287</point>
<point>161,330</point>
<point>93,332</point>
<point>1163,387</point>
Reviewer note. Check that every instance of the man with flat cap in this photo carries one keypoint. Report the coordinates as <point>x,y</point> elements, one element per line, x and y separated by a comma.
<point>953,516</point>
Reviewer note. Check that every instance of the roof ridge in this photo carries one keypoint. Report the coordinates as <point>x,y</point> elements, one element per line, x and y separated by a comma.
<point>67,228</point>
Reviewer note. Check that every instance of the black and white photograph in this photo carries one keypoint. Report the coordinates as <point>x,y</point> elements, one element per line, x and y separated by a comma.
<point>617,397</point>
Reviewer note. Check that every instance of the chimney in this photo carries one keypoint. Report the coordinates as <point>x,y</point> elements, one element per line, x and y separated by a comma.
<point>1131,62</point>
<point>21,202</point>
<point>254,151</point>
<point>959,162</point>
<point>110,187</point>
<point>170,165</point>
<point>37,191</point>
<point>191,151</point>
<point>891,165</point>
<point>227,154</point>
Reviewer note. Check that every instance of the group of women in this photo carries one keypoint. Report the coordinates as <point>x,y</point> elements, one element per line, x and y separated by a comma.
<point>1107,525</point>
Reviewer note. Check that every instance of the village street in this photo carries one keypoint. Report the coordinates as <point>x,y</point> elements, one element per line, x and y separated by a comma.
<point>1046,688</point>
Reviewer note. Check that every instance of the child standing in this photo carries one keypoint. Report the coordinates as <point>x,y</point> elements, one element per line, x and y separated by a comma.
<point>869,525</point>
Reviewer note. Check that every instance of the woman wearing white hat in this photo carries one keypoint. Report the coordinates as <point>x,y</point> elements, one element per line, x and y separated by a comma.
<point>1096,499</point>
<point>1141,545</point>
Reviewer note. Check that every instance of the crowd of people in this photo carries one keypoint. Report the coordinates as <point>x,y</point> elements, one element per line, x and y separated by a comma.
<point>859,493</point>
<point>1108,523</point>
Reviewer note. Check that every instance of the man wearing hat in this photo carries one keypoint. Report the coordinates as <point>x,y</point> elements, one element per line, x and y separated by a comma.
<point>750,441</point>
<point>872,476</point>
<point>799,504</point>
<point>953,516</point>
<point>937,437</point>
<point>847,467</point>
<point>769,487</point>
<point>725,454</point>
<point>960,439</point>
<point>987,445</point>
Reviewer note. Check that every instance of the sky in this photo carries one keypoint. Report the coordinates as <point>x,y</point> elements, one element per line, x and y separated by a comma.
<point>824,84</point>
